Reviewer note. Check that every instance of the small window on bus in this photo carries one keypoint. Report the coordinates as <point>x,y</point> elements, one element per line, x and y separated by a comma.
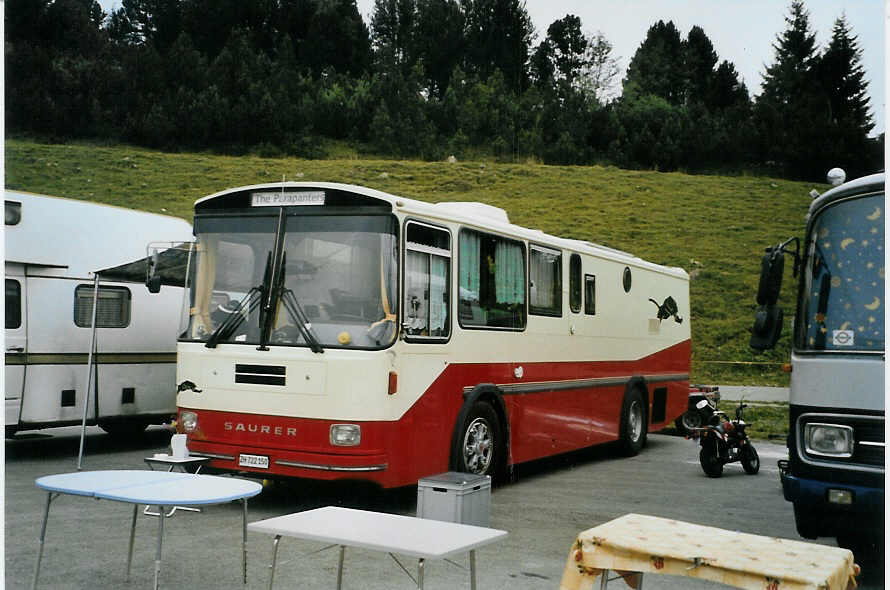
<point>13,304</point>
<point>427,282</point>
<point>112,311</point>
<point>590,294</point>
<point>575,283</point>
<point>492,281</point>
<point>544,281</point>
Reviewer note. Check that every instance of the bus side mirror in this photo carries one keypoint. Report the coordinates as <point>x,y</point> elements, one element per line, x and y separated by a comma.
<point>772,265</point>
<point>153,279</point>
<point>154,284</point>
<point>767,327</point>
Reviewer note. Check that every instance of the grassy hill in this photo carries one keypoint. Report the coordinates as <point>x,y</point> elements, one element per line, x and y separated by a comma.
<point>713,226</point>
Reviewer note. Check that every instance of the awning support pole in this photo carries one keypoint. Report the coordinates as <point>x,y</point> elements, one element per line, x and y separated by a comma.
<point>86,397</point>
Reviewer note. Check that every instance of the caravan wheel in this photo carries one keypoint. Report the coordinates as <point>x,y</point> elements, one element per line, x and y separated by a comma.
<point>123,427</point>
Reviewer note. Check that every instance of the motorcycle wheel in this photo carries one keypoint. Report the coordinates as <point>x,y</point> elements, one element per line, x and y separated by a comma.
<point>688,422</point>
<point>710,459</point>
<point>750,459</point>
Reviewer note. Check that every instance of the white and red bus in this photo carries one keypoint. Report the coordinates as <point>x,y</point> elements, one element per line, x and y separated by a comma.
<point>335,331</point>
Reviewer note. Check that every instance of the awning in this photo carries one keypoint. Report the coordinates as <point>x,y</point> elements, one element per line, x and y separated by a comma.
<point>635,544</point>
<point>172,264</point>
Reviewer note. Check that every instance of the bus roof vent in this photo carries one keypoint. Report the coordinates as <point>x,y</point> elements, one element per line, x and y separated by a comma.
<point>476,210</point>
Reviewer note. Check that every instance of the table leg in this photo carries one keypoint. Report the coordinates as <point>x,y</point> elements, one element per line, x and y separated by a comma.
<point>473,569</point>
<point>420,574</point>
<point>132,536</point>
<point>161,520</point>
<point>274,560</point>
<point>244,538</point>
<point>340,567</point>
<point>640,582</point>
<point>604,581</point>
<point>49,499</point>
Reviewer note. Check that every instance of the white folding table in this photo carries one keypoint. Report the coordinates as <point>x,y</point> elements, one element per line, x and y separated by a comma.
<point>391,533</point>
<point>159,488</point>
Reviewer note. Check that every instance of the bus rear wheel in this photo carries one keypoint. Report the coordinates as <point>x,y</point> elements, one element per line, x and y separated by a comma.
<point>480,446</point>
<point>633,425</point>
<point>123,427</point>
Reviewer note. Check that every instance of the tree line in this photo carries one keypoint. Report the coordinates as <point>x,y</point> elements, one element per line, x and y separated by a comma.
<point>430,79</point>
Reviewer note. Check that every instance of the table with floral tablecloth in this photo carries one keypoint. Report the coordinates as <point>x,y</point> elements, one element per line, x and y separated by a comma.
<point>635,544</point>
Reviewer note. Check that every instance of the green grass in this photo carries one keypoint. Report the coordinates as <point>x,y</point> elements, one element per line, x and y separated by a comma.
<point>713,226</point>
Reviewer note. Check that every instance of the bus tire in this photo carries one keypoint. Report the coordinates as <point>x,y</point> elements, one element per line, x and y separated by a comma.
<point>633,424</point>
<point>480,448</point>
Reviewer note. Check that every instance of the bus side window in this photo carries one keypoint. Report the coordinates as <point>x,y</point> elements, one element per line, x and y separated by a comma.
<point>427,281</point>
<point>590,294</point>
<point>491,284</point>
<point>575,283</point>
<point>545,281</point>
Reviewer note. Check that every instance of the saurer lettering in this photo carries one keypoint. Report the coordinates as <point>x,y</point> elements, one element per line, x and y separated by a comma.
<point>261,428</point>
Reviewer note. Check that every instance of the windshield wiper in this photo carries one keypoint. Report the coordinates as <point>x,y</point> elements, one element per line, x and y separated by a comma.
<point>251,299</point>
<point>225,329</point>
<point>292,305</point>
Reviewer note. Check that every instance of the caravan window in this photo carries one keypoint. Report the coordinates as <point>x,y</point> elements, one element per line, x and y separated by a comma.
<point>545,281</point>
<point>113,310</point>
<point>427,281</point>
<point>13,304</point>
<point>492,281</point>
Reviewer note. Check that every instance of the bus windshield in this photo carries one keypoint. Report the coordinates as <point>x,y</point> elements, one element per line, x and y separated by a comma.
<point>338,282</point>
<point>842,306</point>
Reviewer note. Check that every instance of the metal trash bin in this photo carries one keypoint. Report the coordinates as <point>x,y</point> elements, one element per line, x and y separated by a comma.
<point>455,497</point>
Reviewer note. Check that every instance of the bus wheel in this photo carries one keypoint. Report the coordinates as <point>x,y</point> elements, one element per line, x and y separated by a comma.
<point>633,426</point>
<point>480,442</point>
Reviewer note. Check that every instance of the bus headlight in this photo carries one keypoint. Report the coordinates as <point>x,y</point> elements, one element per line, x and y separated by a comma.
<point>832,440</point>
<point>345,435</point>
<point>189,421</point>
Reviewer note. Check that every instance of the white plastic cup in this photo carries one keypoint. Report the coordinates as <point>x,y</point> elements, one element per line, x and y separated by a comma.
<point>177,443</point>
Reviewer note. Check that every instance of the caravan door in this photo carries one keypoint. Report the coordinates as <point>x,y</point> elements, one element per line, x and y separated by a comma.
<point>16,342</point>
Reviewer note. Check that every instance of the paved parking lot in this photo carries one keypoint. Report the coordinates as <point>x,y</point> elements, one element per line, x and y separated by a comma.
<point>544,510</point>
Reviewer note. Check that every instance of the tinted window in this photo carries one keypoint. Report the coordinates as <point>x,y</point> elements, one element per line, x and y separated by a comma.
<point>590,294</point>
<point>13,304</point>
<point>575,283</point>
<point>492,281</point>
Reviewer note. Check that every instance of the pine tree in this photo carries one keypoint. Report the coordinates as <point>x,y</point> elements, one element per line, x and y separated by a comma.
<point>656,67</point>
<point>844,79</point>
<point>849,120</point>
<point>789,112</point>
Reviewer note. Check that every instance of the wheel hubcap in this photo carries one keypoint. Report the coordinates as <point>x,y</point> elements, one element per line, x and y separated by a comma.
<point>478,446</point>
<point>635,421</point>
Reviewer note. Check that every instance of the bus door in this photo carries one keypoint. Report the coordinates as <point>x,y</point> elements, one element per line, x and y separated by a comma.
<point>16,341</point>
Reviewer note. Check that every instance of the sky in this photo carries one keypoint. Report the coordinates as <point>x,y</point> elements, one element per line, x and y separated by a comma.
<point>742,31</point>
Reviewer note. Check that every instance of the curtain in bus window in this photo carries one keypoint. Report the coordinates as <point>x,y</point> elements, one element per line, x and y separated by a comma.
<point>470,247</point>
<point>438,296</point>
<point>417,273</point>
<point>544,271</point>
<point>509,273</point>
<point>206,278</point>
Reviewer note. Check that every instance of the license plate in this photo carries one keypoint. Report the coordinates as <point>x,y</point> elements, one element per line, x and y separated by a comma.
<point>259,461</point>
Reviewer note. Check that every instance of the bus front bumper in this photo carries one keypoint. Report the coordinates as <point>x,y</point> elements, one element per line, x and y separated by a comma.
<point>831,509</point>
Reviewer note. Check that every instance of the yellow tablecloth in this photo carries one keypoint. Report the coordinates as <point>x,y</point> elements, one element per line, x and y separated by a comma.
<point>649,544</point>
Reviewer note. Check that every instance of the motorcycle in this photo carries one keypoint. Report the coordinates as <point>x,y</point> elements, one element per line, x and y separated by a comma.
<point>694,418</point>
<point>725,441</point>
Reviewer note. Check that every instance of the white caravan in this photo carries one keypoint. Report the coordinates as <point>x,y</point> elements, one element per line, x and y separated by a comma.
<point>53,247</point>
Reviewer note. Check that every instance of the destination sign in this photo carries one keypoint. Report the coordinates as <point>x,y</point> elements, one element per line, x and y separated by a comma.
<point>287,198</point>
